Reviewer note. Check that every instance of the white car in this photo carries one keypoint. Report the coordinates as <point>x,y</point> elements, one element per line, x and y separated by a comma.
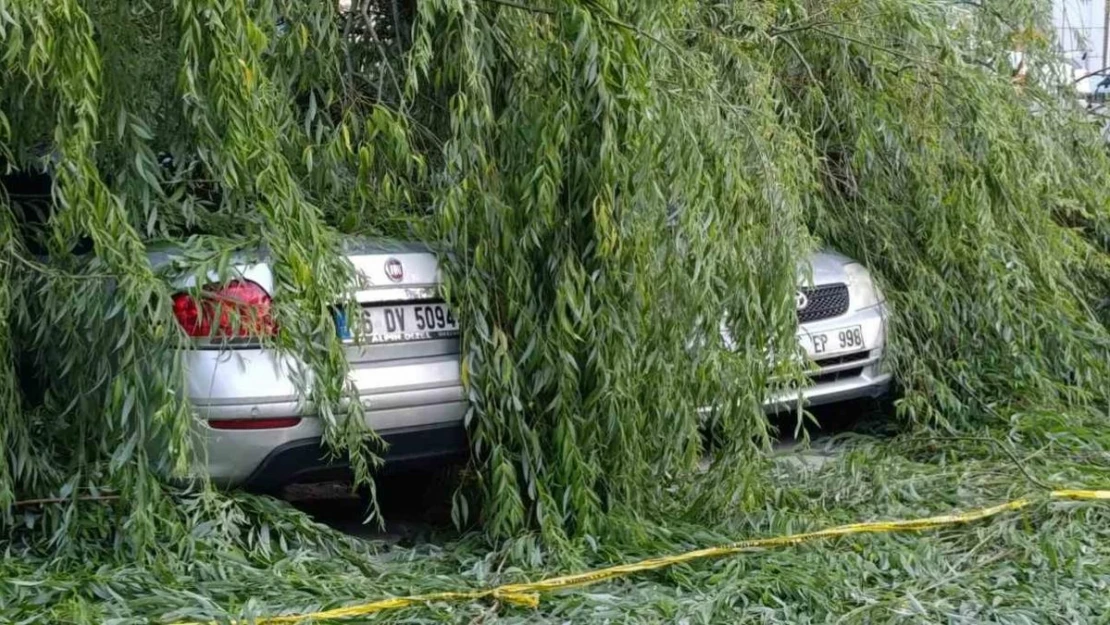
<point>260,435</point>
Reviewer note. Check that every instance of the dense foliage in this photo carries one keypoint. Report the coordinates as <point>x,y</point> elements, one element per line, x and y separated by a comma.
<point>608,180</point>
<point>246,557</point>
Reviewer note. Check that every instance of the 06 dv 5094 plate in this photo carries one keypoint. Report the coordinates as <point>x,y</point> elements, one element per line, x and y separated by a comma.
<point>389,323</point>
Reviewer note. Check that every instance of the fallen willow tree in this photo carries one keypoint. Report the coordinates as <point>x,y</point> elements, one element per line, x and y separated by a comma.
<point>607,181</point>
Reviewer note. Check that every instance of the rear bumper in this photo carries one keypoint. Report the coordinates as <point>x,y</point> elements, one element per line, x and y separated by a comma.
<point>305,460</point>
<point>411,400</point>
<point>235,457</point>
<point>259,384</point>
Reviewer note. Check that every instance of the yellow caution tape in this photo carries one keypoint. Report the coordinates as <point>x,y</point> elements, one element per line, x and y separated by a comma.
<point>528,594</point>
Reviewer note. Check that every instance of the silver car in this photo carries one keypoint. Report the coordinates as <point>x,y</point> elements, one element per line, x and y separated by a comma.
<point>842,318</point>
<point>260,435</point>
<point>405,367</point>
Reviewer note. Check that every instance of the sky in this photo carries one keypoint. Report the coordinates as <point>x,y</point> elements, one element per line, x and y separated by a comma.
<point>1080,31</point>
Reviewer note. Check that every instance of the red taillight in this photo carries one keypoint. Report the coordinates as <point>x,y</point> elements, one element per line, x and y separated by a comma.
<point>253,424</point>
<point>240,308</point>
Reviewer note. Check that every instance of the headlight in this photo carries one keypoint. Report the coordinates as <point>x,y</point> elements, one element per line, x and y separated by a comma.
<point>862,290</point>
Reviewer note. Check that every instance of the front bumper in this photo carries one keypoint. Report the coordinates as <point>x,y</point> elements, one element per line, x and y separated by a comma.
<point>854,382</point>
<point>847,375</point>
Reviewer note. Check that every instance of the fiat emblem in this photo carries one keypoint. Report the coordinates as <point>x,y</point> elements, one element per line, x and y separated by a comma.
<point>801,300</point>
<point>393,270</point>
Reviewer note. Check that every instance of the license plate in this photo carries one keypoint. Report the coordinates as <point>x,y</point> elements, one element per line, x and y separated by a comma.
<point>831,342</point>
<point>400,322</point>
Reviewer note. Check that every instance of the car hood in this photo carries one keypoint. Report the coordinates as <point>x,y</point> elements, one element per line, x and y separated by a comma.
<point>824,267</point>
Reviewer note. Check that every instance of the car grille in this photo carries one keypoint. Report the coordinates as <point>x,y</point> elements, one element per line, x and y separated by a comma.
<point>840,360</point>
<point>825,378</point>
<point>825,301</point>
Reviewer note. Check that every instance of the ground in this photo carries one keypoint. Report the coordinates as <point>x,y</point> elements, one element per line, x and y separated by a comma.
<point>251,557</point>
<point>1046,565</point>
<point>416,505</point>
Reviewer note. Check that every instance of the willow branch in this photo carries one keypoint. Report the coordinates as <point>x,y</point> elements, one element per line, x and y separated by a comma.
<point>522,7</point>
<point>57,500</point>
